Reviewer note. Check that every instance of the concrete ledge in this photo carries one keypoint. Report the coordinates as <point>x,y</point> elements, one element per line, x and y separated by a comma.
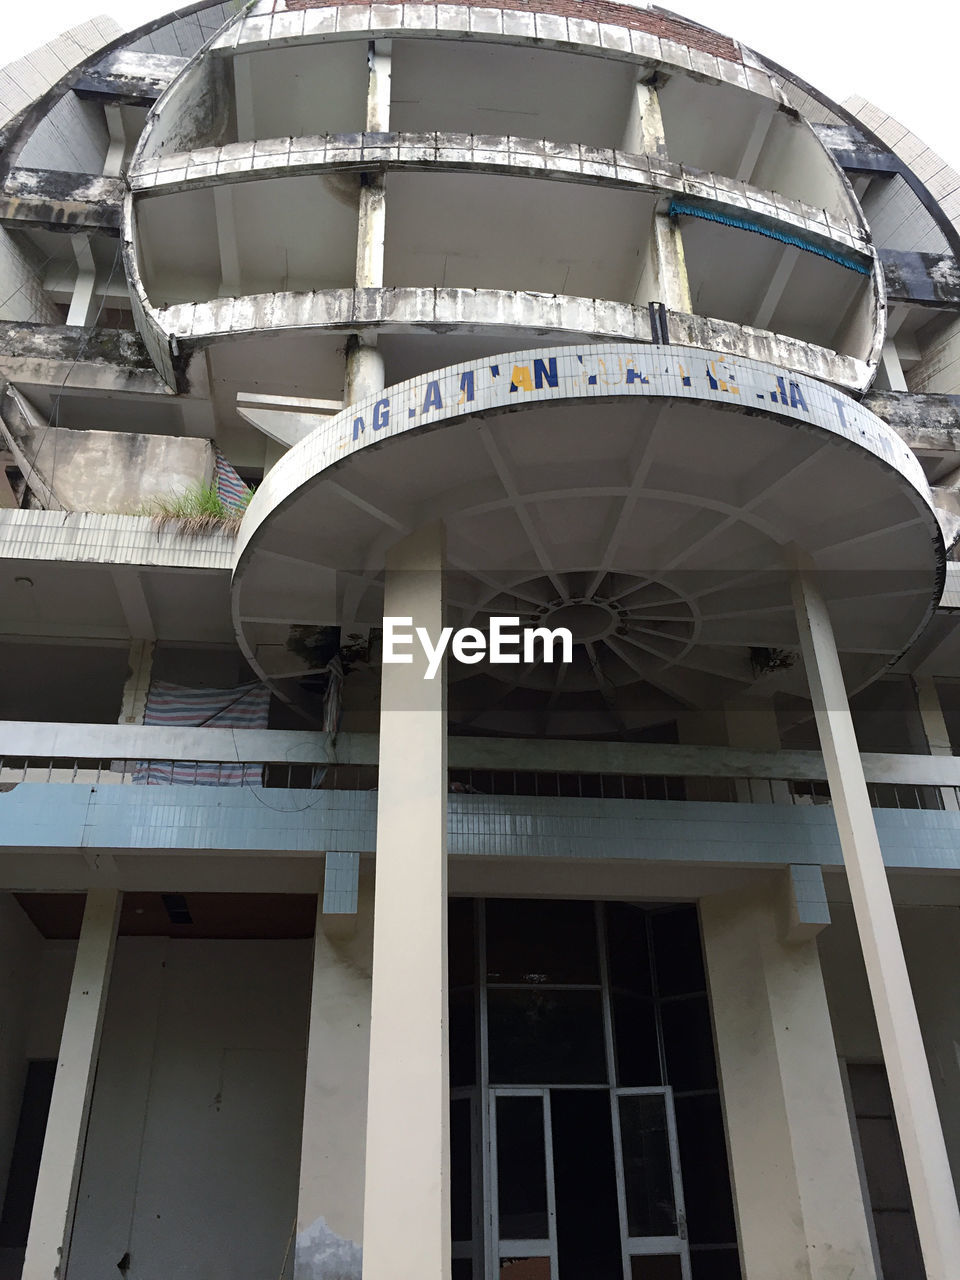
<point>406,310</point>
<point>47,739</point>
<point>127,76</point>
<point>88,538</point>
<point>657,39</point>
<point>483,153</point>
<point>96,360</point>
<point>62,201</point>
<point>254,821</point>
<point>926,279</point>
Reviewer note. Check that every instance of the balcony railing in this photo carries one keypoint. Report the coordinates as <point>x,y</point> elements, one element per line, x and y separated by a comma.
<point>109,755</point>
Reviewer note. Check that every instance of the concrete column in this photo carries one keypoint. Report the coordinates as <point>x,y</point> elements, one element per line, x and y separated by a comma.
<point>644,133</point>
<point>378,86</point>
<point>890,367</point>
<point>796,1187</point>
<point>673,286</point>
<point>83,302</point>
<point>330,1201</point>
<point>935,730</point>
<point>370,233</point>
<point>51,1225</point>
<point>137,687</point>
<point>921,1134</point>
<point>406,1224</point>
<point>364,371</point>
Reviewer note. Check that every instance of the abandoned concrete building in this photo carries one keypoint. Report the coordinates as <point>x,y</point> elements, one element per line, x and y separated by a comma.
<point>640,965</point>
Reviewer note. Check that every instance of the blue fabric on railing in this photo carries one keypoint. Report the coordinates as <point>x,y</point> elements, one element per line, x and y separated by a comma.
<point>761,229</point>
<point>172,705</point>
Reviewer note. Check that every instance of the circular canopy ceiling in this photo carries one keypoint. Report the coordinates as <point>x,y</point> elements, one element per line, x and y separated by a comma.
<point>651,499</point>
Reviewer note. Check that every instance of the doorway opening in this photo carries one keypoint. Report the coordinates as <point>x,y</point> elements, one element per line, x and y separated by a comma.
<point>587,1135</point>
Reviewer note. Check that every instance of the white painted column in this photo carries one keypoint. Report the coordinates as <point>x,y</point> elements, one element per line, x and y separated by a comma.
<point>83,302</point>
<point>51,1225</point>
<point>406,1225</point>
<point>330,1200</point>
<point>796,1188</point>
<point>891,366</point>
<point>918,1121</point>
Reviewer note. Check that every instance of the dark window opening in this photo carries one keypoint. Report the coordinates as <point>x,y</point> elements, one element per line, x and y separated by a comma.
<point>27,1149</point>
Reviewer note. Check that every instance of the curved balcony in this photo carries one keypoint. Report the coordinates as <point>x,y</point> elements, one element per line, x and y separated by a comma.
<point>671,552</point>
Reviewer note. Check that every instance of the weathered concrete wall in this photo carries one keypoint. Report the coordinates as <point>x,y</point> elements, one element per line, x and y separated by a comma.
<point>931,943</point>
<point>21,289</point>
<point>939,367</point>
<point>191,1157</point>
<point>113,471</point>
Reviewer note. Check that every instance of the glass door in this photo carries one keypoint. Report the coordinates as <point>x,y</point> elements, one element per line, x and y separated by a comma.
<point>654,1227</point>
<point>583,1073</point>
<point>580,1194</point>
<point>524,1214</point>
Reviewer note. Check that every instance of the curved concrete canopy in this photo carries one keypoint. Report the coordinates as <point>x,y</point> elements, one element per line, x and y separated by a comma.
<point>650,498</point>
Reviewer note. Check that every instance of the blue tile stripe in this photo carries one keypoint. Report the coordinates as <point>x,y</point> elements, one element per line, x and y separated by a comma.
<point>36,815</point>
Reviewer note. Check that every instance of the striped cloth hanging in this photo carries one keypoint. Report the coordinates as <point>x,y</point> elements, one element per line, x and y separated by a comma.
<point>233,492</point>
<point>174,705</point>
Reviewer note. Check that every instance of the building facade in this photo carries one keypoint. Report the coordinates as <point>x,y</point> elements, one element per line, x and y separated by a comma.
<point>322,966</point>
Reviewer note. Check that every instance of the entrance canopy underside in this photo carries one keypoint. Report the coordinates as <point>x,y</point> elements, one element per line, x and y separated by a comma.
<point>651,499</point>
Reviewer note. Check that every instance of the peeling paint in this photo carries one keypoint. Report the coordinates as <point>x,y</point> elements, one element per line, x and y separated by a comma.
<point>323,1255</point>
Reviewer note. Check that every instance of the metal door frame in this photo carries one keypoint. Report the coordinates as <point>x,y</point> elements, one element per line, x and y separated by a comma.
<point>544,1247</point>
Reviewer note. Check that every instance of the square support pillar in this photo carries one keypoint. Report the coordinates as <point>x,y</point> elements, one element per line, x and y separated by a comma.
<point>918,1121</point>
<point>137,687</point>
<point>51,1224</point>
<point>406,1224</point>
<point>798,1196</point>
<point>673,285</point>
<point>330,1199</point>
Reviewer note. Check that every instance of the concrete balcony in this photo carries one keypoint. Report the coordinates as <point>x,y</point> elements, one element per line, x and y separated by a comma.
<point>288,797</point>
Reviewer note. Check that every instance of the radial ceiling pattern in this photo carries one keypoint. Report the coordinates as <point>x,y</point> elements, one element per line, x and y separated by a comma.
<point>659,531</point>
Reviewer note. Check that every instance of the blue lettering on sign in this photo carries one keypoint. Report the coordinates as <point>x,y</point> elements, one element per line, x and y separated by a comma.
<point>545,372</point>
<point>433,399</point>
<point>591,378</point>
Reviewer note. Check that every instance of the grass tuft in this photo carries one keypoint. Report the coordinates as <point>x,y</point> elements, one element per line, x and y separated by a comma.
<point>196,510</point>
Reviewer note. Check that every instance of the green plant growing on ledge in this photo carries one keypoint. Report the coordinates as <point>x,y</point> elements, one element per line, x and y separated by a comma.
<point>198,509</point>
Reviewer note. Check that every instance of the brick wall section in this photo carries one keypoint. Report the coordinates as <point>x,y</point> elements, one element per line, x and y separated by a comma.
<point>620,15</point>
